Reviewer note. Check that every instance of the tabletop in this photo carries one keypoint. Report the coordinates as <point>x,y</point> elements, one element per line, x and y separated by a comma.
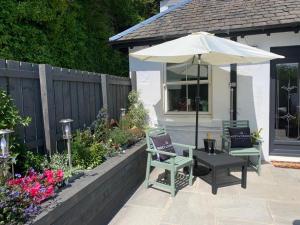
<point>220,159</point>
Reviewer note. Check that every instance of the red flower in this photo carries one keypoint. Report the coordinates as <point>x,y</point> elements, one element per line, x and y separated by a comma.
<point>49,191</point>
<point>59,175</point>
<point>35,189</point>
<point>50,180</point>
<point>48,173</point>
<point>13,182</point>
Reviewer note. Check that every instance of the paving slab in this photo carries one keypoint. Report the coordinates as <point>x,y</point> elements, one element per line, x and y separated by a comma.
<point>285,213</point>
<point>270,199</point>
<point>137,215</point>
<point>190,209</point>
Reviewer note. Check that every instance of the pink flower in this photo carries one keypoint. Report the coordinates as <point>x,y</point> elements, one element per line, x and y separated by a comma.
<point>49,191</point>
<point>59,175</point>
<point>34,190</point>
<point>48,173</point>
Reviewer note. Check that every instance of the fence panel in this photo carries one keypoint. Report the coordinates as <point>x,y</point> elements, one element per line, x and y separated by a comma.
<point>118,89</point>
<point>48,94</point>
<point>21,81</point>
<point>75,96</point>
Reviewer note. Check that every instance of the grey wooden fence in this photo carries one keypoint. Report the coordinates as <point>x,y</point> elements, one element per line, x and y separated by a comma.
<point>48,94</point>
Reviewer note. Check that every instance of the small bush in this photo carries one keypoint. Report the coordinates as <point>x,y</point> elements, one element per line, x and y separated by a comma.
<point>61,161</point>
<point>100,127</point>
<point>87,154</point>
<point>137,114</point>
<point>119,137</point>
<point>10,117</point>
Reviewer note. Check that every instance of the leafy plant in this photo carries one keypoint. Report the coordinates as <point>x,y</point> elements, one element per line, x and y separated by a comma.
<point>97,154</point>
<point>16,207</point>
<point>100,127</point>
<point>137,114</point>
<point>10,118</point>
<point>256,135</point>
<point>9,114</point>
<point>60,161</point>
<point>119,137</point>
<point>87,154</point>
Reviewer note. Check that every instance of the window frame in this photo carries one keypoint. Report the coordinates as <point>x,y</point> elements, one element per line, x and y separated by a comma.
<point>165,92</point>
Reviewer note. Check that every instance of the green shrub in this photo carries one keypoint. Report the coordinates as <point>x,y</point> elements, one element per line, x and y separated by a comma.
<point>137,114</point>
<point>10,117</point>
<point>27,159</point>
<point>100,127</point>
<point>97,154</point>
<point>119,137</point>
<point>86,154</point>
<point>61,161</point>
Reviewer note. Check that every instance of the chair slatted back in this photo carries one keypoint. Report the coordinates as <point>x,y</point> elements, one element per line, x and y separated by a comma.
<point>154,132</point>
<point>233,123</point>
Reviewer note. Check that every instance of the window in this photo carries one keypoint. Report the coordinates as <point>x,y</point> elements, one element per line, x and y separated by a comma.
<point>181,85</point>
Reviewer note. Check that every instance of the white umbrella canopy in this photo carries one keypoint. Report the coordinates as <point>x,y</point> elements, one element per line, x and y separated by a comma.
<point>213,50</point>
<point>203,48</point>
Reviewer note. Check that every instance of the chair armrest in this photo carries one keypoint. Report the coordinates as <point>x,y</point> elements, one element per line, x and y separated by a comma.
<point>184,146</point>
<point>190,147</point>
<point>161,152</point>
<point>225,138</point>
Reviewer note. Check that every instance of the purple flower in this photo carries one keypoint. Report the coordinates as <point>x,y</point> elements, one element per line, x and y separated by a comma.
<point>31,210</point>
<point>14,194</point>
<point>17,175</point>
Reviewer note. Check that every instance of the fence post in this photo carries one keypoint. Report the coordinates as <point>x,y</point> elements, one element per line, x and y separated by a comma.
<point>104,91</point>
<point>47,97</point>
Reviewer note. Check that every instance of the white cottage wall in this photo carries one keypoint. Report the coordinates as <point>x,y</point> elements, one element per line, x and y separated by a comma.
<point>253,94</point>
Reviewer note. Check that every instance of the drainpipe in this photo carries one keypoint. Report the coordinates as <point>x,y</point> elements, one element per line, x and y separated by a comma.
<point>233,88</point>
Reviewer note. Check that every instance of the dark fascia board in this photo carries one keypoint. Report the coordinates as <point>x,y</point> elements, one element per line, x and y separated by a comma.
<point>221,33</point>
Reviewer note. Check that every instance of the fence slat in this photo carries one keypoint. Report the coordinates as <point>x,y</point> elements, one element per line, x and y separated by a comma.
<point>47,94</point>
<point>74,105</point>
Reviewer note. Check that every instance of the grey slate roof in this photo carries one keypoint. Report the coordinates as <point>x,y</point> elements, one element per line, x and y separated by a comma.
<point>216,16</point>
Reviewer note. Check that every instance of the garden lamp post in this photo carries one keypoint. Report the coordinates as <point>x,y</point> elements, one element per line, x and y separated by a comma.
<point>4,142</point>
<point>123,112</point>
<point>67,135</point>
<point>4,146</point>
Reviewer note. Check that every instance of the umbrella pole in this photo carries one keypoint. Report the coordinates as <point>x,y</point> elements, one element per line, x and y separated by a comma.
<point>197,101</point>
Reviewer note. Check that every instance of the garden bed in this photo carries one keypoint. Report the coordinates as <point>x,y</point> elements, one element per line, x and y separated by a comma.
<point>98,195</point>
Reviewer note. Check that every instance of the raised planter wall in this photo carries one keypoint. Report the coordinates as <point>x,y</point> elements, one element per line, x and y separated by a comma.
<point>97,197</point>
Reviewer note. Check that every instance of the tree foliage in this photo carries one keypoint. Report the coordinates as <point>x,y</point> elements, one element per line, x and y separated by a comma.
<point>72,34</point>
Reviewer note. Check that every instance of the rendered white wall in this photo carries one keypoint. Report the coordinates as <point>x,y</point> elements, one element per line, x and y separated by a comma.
<point>253,94</point>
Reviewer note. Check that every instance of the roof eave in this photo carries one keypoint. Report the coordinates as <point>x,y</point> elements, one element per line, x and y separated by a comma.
<point>223,33</point>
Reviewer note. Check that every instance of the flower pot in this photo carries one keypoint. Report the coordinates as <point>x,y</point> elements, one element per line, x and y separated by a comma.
<point>209,145</point>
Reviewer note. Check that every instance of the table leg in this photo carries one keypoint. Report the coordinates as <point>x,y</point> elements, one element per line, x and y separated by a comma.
<point>244,176</point>
<point>214,181</point>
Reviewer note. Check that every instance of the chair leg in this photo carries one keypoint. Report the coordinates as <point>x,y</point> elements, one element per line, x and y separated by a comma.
<point>172,182</point>
<point>259,165</point>
<point>191,175</point>
<point>147,172</point>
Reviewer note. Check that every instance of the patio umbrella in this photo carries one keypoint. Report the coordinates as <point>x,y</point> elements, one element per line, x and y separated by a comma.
<point>203,48</point>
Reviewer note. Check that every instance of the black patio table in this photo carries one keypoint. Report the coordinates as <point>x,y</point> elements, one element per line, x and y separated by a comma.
<point>220,160</point>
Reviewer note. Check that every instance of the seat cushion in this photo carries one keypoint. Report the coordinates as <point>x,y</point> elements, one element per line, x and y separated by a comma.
<point>240,137</point>
<point>163,143</point>
<point>244,151</point>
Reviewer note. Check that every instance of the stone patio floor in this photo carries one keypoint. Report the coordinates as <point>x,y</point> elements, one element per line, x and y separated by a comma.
<point>272,198</point>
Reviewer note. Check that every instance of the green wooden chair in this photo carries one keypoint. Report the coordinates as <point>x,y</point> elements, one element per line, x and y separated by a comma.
<point>247,152</point>
<point>171,165</point>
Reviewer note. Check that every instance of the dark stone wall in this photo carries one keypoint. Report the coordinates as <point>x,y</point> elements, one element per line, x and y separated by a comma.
<point>95,198</point>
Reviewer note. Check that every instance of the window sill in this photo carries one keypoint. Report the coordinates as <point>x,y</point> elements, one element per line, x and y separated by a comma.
<point>201,114</point>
